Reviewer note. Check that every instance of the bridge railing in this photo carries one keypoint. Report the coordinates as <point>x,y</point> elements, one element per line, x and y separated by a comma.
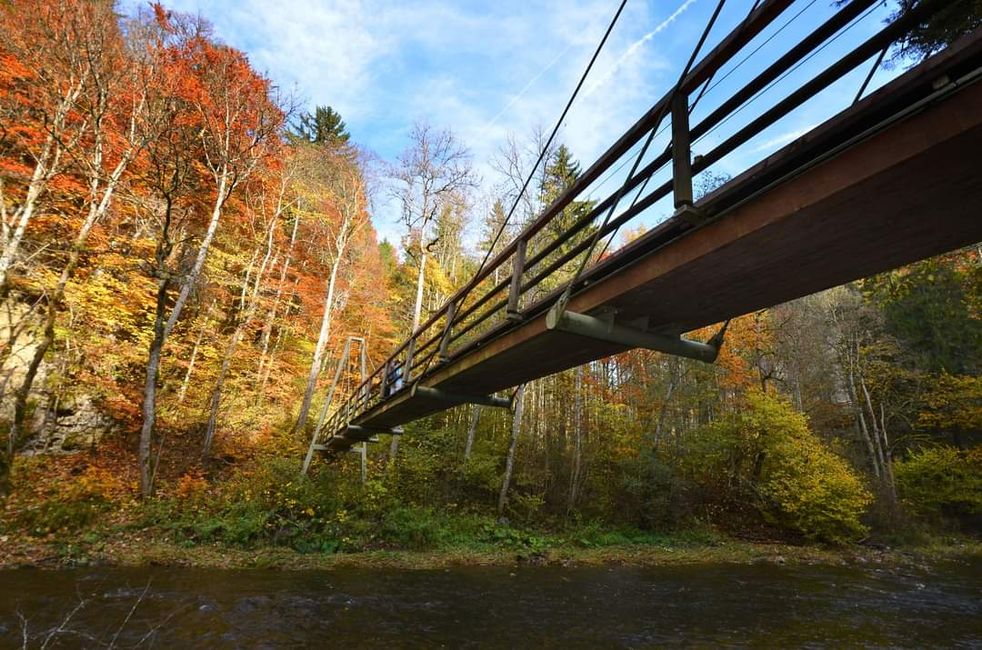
<point>525,277</point>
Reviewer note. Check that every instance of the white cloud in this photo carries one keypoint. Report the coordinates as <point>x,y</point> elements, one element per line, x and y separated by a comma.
<point>782,139</point>
<point>483,70</point>
<point>636,46</point>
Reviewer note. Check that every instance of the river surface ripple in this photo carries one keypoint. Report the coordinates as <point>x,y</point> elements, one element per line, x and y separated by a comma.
<point>697,605</point>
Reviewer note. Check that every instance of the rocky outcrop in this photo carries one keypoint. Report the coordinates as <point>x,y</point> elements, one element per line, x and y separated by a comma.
<point>73,427</point>
<point>59,422</point>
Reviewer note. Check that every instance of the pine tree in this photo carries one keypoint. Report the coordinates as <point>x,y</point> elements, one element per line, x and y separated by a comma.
<point>560,173</point>
<point>942,28</point>
<point>323,126</point>
<point>493,222</point>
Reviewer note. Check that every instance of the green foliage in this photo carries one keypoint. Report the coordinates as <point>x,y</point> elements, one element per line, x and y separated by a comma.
<point>413,528</point>
<point>940,483</point>
<point>812,490</point>
<point>655,492</point>
<point>525,506</point>
<point>926,307</point>
<point>560,172</point>
<point>73,511</point>
<point>952,404</point>
<point>323,126</point>
<point>267,504</point>
<point>479,479</point>
<point>944,26</point>
<point>516,539</point>
<point>766,454</point>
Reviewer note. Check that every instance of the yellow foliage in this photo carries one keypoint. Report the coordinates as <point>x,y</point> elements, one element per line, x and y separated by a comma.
<point>812,490</point>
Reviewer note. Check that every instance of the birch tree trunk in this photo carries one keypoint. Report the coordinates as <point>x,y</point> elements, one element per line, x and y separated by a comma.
<point>149,405</point>
<point>99,199</point>
<point>471,431</point>
<point>322,337</point>
<point>271,316</point>
<point>182,392</point>
<point>199,262</point>
<point>574,479</point>
<point>516,430</point>
<point>244,322</point>
<point>46,165</point>
<point>417,316</point>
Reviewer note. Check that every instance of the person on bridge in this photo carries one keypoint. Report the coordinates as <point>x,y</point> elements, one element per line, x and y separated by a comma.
<point>393,379</point>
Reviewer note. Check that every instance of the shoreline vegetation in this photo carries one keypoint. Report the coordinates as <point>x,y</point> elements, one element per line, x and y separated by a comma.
<point>138,552</point>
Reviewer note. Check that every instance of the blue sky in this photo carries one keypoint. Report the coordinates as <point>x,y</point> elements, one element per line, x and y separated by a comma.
<point>490,69</point>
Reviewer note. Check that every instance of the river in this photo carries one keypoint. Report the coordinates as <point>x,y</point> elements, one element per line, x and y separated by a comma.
<point>695,605</point>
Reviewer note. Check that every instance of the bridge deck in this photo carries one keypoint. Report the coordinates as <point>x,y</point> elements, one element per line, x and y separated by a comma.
<point>894,179</point>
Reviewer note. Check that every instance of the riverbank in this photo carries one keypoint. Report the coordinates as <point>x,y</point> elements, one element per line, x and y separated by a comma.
<point>262,517</point>
<point>143,550</point>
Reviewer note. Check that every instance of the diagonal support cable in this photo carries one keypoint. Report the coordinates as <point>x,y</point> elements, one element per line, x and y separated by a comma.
<point>563,299</point>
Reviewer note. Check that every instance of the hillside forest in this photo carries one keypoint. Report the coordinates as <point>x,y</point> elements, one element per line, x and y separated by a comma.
<point>185,251</point>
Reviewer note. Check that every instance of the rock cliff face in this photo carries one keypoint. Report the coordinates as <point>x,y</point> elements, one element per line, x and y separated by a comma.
<point>60,421</point>
<point>73,427</point>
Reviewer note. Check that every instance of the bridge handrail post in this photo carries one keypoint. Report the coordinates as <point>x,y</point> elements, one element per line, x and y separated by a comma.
<point>681,150</point>
<point>447,329</point>
<point>512,311</point>
<point>407,365</point>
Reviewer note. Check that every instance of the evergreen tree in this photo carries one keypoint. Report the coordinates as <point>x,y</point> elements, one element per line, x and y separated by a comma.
<point>560,173</point>
<point>942,28</point>
<point>323,126</point>
<point>493,222</point>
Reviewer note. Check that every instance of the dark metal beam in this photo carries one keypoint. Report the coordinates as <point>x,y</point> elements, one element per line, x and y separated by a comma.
<point>608,330</point>
<point>453,399</point>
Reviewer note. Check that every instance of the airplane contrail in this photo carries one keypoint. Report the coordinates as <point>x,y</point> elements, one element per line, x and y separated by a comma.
<point>526,87</point>
<point>630,51</point>
<point>617,64</point>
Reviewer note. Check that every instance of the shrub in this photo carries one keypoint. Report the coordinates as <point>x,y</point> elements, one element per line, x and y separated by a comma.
<point>415,529</point>
<point>73,504</point>
<point>810,489</point>
<point>939,483</point>
<point>264,503</point>
<point>502,535</point>
<point>767,455</point>
<point>653,493</point>
<point>479,478</point>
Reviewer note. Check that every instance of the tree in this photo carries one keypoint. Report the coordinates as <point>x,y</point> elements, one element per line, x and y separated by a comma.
<point>942,28</point>
<point>560,173</point>
<point>926,308</point>
<point>323,126</point>
<point>861,348</point>
<point>333,175</point>
<point>115,100</point>
<point>44,71</point>
<point>516,431</point>
<point>170,179</point>
<point>431,174</point>
<point>270,211</point>
<point>228,109</point>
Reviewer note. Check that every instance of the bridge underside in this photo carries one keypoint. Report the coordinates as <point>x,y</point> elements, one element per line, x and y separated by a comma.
<point>888,196</point>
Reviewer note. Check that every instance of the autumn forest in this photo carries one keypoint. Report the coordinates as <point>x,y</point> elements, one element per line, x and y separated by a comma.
<point>186,249</point>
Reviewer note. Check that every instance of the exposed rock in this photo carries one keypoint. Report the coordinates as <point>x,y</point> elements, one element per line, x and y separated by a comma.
<point>76,427</point>
<point>57,425</point>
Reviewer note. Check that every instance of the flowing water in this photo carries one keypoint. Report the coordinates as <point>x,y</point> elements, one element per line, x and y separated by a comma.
<point>698,605</point>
